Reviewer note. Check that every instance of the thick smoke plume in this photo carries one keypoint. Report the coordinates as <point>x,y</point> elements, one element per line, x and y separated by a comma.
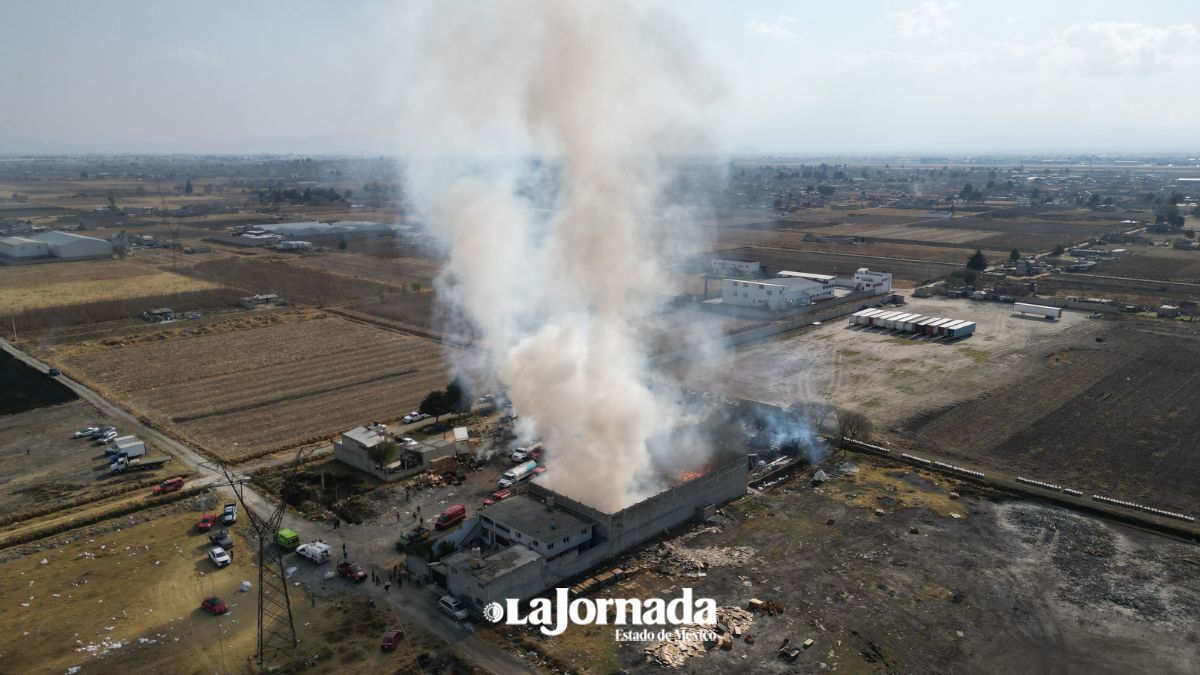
<point>540,146</point>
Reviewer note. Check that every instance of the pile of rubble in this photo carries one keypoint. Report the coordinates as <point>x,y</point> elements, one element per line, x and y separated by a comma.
<point>435,479</point>
<point>672,558</point>
<point>679,646</point>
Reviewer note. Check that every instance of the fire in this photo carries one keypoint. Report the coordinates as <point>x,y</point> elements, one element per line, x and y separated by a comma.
<point>686,476</point>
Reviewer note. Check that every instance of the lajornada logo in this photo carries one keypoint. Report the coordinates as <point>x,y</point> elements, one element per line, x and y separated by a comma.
<point>553,616</point>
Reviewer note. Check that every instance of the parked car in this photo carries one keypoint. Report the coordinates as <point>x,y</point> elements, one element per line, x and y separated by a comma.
<point>391,640</point>
<point>100,431</point>
<point>498,495</point>
<point>219,556</point>
<point>221,538</point>
<point>229,515</point>
<point>352,571</point>
<point>169,485</point>
<point>411,417</point>
<point>86,431</point>
<point>206,522</point>
<point>424,416</point>
<point>452,516</point>
<point>106,437</point>
<point>54,372</point>
<point>453,607</point>
<point>408,441</point>
<point>214,605</point>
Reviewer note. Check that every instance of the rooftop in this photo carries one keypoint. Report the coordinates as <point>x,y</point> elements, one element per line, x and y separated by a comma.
<point>364,436</point>
<point>806,275</point>
<point>533,518</point>
<point>494,565</point>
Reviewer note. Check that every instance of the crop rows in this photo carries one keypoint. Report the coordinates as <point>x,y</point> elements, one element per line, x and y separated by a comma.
<point>245,392</point>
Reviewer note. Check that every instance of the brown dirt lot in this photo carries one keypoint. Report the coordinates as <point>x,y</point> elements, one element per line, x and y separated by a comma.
<point>42,466</point>
<point>904,272</point>
<point>1156,262</point>
<point>248,391</point>
<point>128,601</point>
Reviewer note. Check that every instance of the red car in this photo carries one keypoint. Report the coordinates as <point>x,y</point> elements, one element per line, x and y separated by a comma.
<point>214,605</point>
<point>206,523</point>
<point>498,495</point>
<point>391,640</point>
<point>168,485</point>
<point>352,571</point>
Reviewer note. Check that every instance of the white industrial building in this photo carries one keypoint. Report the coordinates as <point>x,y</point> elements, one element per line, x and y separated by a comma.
<point>23,248</point>
<point>60,245</point>
<point>776,294</point>
<point>865,279</point>
<point>741,269</point>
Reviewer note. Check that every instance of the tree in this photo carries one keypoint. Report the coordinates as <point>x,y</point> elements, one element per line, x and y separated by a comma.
<point>826,190</point>
<point>1015,255</point>
<point>853,425</point>
<point>967,191</point>
<point>458,396</point>
<point>342,245</point>
<point>384,453</point>
<point>1059,249</point>
<point>977,262</point>
<point>435,404</point>
<point>187,189</point>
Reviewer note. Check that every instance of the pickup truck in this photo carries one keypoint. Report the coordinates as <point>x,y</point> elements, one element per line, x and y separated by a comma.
<point>352,571</point>
<point>229,515</point>
<point>411,537</point>
<point>214,605</point>
<point>221,538</point>
<point>219,556</point>
<point>206,522</point>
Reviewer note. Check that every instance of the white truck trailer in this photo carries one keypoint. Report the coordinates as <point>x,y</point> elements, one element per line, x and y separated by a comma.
<point>1039,310</point>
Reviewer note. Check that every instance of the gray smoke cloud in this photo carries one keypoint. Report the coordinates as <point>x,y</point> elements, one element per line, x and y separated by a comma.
<point>540,141</point>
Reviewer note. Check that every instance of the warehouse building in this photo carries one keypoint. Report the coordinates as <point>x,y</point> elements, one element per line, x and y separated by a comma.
<point>865,279</point>
<point>538,538</point>
<point>52,246</point>
<point>741,269</point>
<point>780,293</point>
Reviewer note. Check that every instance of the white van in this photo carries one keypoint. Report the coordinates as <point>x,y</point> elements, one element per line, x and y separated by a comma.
<point>453,607</point>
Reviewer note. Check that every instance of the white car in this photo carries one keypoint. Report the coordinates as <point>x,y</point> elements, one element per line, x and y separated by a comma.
<point>411,417</point>
<point>219,556</point>
<point>408,441</point>
<point>86,431</point>
<point>453,607</point>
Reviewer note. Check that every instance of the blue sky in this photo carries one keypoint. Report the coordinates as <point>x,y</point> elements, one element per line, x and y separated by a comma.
<point>854,77</point>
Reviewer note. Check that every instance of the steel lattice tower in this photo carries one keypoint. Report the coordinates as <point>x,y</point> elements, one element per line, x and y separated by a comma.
<point>278,646</point>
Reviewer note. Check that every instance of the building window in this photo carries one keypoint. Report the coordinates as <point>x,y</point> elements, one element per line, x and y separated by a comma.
<point>583,532</point>
<point>566,539</point>
<point>550,547</point>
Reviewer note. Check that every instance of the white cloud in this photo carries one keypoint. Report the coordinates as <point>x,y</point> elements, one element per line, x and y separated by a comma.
<point>779,28</point>
<point>927,20</point>
<point>1115,48</point>
<point>193,56</point>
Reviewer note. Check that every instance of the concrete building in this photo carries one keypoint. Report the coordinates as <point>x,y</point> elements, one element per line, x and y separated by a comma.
<point>354,448</point>
<point>780,293</point>
<point>537,539</point>
<point>740,269</point>
<point>865,279</point>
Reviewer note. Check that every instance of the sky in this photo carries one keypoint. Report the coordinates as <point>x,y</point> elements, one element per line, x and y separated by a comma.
<point>862,77</point>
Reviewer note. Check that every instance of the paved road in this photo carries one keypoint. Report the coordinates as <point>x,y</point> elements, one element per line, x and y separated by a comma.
<point>418,605</point>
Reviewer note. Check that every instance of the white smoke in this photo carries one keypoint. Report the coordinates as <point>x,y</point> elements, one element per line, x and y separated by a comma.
<point>540,141</point>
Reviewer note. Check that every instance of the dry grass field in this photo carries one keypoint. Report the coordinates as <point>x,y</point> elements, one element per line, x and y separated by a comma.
<point>1156,262</point>
<point>57,284</point>
<point>127,600</point>
<point>242,388</point>
<point>400,271</point>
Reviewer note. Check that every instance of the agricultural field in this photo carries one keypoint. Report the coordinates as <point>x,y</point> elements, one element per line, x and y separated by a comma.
<point>401,271</point>
<point>49,285</point>
<point>1156,262</point>
<point>242,387</point>
<point>127,599</point>
<point>1115,417</point>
